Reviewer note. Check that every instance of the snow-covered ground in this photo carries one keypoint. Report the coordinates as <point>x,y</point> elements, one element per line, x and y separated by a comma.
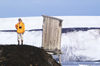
<point>76,45</point>
<point>81,45</point>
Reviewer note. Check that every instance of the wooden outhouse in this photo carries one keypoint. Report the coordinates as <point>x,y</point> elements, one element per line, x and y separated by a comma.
<point>51,37</point>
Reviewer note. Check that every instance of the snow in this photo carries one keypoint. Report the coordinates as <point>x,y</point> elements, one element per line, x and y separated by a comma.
<point>30,23</point>
<point>80,21</point>
<point>30,38</point>
<point>74,44</point>
<point>86,44</point>
<point>36,22</point>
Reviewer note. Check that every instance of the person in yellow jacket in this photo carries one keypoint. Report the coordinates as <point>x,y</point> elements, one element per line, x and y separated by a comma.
<point>20,31</point>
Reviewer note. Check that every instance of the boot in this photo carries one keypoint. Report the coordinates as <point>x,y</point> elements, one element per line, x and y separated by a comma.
<point>21,42</point>
<point>18,42</point>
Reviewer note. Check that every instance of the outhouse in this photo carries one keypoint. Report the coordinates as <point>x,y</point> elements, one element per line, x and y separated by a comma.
<point>51,37</point>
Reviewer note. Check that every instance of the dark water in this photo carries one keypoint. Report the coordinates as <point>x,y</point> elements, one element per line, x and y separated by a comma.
<point>64,30</point>
<point>81,64</point>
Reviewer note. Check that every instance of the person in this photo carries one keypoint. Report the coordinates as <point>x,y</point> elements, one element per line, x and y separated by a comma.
<point>20,31</point>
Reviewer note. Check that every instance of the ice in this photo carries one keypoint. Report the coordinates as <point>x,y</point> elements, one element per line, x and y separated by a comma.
<point>76,45</point>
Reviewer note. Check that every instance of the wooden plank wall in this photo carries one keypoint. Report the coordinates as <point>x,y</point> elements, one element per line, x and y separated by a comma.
<point>51,39</point>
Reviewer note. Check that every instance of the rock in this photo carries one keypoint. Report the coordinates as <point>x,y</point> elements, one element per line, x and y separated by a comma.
<point>24,55</point>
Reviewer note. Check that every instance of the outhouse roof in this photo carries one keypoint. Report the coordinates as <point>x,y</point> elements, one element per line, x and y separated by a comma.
<point>53,18</point>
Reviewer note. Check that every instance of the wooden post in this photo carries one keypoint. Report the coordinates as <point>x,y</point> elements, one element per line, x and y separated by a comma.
<point>31,65</point>
<point>59,56</point>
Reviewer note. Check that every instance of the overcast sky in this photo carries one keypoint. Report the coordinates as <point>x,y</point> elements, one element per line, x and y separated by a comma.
<point>27,8</point>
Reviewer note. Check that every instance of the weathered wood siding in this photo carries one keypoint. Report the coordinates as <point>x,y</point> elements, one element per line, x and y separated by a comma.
<point>51,39</point>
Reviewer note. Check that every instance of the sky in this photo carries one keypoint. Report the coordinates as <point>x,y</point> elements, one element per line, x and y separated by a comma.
<point>27,8</point>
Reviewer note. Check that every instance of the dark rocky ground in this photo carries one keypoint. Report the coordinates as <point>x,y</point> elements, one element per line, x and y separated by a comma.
<point>24,55</point>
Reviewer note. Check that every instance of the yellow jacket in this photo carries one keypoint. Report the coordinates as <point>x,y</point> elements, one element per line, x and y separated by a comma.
<point>20,27</point>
